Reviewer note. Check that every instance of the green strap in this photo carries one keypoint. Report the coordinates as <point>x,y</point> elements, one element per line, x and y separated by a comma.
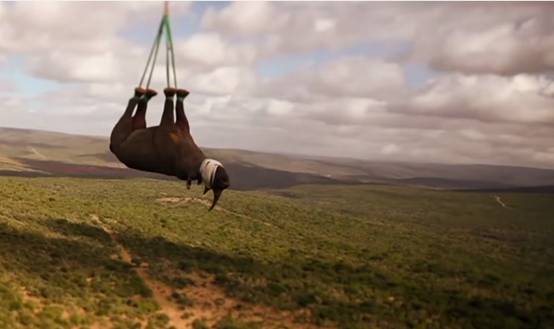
<point>153,63</point>
<point>167,62</point>
<point>153,52</point>
<point>170,53</point>
<point>169,38</point>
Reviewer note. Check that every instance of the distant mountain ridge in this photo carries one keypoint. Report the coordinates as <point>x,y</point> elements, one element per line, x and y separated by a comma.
<point>25,152</point>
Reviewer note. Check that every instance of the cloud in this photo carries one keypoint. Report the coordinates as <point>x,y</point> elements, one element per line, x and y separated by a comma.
<point>502,38</point>
<point>324,24</point>
<point>523,98</point>
<point>7,85</point>
<point>65,67</point>
<point>345,77</point>
<point>68,26</point>
<point>71,42</point>
<point>224,80</point>
<point>499,38</point>
<point>357,77</point>
<point>487,97</point>
<point>286,28</point>
<point>508,48</point>
<point>390,149</point>
<point>252,18</point>
<point>211,50</point>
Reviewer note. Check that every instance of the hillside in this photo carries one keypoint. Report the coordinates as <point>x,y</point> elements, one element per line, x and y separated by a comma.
<point>40,153</point>
<point>142,253</point>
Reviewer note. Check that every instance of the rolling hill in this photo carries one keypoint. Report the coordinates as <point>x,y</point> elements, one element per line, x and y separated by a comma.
<point>144,253</point>
<point>41,153</point>
<point>87,243</point>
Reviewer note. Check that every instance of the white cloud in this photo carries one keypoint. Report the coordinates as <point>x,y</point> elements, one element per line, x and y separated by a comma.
<point>508,48</point>
<point>522,98</point>
<point>293,27</point>
<point>502,38</point>
<point>279,107</point>
<point>490,102</point>
<point>472,134</point>
<point>390,149</point>
<point>210,49</point>
<point>250,18</point>
<point>324,24</point>
<point>68,67</point>
<point>224,80</point>
<point>345,77</point>
<point>544,156</point>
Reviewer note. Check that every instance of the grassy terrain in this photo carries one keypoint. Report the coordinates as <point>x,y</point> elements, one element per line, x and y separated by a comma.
<point>351,256</point>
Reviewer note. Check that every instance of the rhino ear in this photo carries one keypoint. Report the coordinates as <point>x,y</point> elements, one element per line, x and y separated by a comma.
<point>206,189</point>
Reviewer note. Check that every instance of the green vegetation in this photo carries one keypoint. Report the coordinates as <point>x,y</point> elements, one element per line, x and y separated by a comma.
<point>199,324</point>
<point>230,323</point>
<point>353,256</point>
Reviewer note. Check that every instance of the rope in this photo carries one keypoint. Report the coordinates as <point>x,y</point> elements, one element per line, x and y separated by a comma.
<point>153,64</point>
<point>167,59</point>
<point>170,53</point>
<point>154,48</point>
<point>170,39</point>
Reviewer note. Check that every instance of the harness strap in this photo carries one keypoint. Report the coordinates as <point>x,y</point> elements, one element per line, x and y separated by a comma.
<point>170,53</point>
<point>153,53</point>
<point>169,39</point>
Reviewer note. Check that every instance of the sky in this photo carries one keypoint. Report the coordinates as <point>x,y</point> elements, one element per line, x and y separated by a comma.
<point>415,82</point>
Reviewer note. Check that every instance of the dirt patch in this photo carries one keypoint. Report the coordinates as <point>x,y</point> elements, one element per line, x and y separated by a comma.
<point>500,202</point>
<point>39,155</point>
<point>162,295</point>
<point>210,304</point>
<point>33,300</point>
<point>205,301</point>
<point>176,200</point>
<point>160,291</point>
